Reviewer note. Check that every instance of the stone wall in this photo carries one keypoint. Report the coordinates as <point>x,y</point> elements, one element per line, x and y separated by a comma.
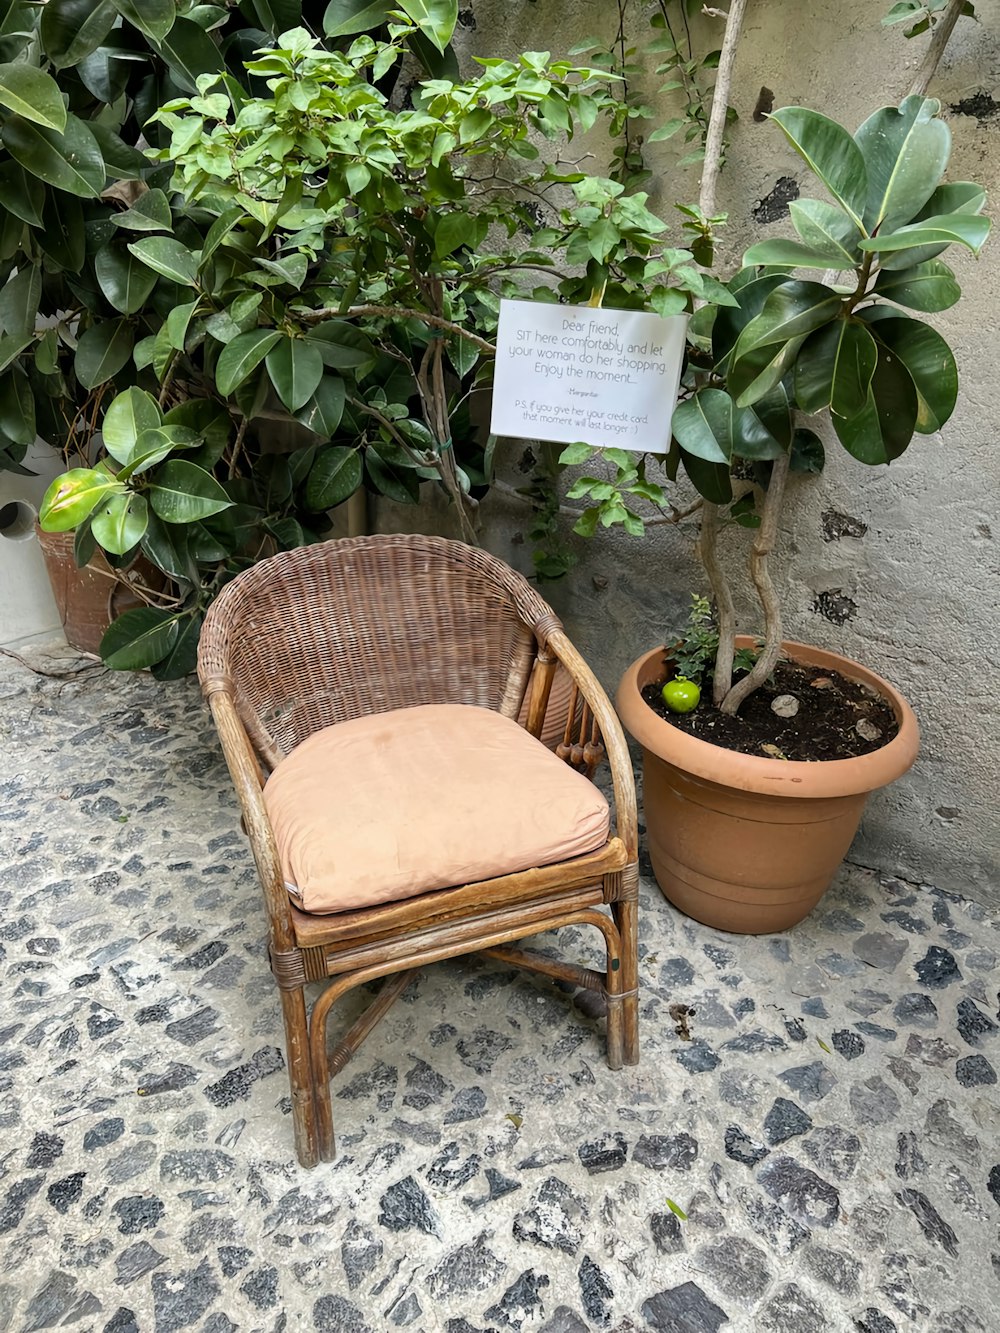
<point>899,566</point>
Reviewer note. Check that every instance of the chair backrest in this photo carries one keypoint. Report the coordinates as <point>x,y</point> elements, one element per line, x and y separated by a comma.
<point>362,625</point>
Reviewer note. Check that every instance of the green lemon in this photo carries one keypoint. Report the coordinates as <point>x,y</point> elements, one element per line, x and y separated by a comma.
<point>681,695</point>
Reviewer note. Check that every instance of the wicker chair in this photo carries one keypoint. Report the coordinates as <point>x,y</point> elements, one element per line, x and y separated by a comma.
<point>348,629</point>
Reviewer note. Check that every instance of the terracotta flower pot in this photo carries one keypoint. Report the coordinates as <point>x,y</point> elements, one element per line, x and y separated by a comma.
<point>87,599</point>
<point>749,844</point>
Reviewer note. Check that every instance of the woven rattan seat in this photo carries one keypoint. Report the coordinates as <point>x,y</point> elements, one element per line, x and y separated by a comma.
<point>345,629</point>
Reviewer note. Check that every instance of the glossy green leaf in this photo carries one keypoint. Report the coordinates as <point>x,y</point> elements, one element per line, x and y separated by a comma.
<point>344,18</point>
<point>808,454</point>
<point>884,427</point>
<point>23,194</point>
<point>241,357</point>
<point>324,410</point>
<point>393,480</point>
<point>63,236</point>
<point>343,347</point>
<point>182,656</point>
<point>125,280</point>
<point>968,229</point>
<point>181,492</point>
<point>17,407</point>
<point>827,230</point>
<point>150,212</point>
<point>121,160</point>
<point>436,19</point>
<point>119,522</point>
<point>296,368</point>
<point>71,29</point>
<point>33,94</point>
<point>102,351</point>
<point>835,367</point>
<point>139,638</point>
<point>792,310</point>
<point>47,352</point>
<point>731,321</point>
<point>710,480</point>
<point>188,51</point>
<point>19,300</point>
<point>929,286</point>
<point>336,474</point>
<point>168,257</point>
<point>756,374</point>
<point>73,496</point>
<point>703,425</point>
<point>829,152</point>
<point>153,445</point>
<point>774,413</point>
<point>11,348</point>
<point>166,545</point>
<point>793,252</point>
<point>906,150</point>
<point>954,197</point>
<point>153,18</point>
<point>929,362</point>
<point>453,231</point>
<point>131,413</point>
<point>70,161</point>
<point>103,76</point>
<point>178,323</point>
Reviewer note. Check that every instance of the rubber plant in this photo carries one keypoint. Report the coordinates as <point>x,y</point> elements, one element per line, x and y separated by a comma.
<point>345,277</point>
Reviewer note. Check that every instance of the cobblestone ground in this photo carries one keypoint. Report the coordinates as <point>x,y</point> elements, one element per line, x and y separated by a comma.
<point>821,1154</point>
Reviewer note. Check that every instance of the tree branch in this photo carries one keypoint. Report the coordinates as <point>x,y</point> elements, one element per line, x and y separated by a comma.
<point>940,37</point>
<point>720,105</point>
<point>397,312</point>
<point>763,545</point>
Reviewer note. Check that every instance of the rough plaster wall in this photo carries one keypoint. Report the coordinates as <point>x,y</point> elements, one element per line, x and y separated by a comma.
<point>920,585</point>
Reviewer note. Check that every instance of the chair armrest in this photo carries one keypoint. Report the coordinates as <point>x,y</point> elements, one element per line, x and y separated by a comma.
<point>619,759</point>
<point>246,775</point>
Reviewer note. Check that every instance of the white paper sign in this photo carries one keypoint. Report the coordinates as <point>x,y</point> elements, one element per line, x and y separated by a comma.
<point>572,372</point>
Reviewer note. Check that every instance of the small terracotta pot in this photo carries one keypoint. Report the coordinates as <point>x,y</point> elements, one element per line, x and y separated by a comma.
<point>87,599</point>
<point>744,843</point>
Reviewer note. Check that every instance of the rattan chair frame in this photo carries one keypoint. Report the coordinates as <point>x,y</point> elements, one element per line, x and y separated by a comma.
<point>340,629</point>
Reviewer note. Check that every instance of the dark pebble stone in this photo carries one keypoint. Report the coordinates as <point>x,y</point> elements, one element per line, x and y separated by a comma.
<point>404,1312</point>
<point>45,1149</point>
<point>235,1084</point>
<point>993,1185</point>
<point>683,1309</point>
<point>138,1213</point>
<point>469,1268</point>
<point>676,972</point>
<point>84,979</point>
<point>784,1121</point>
<point>404,1206</point>
<point>677,1152</point>
<point>874,1321</point>
<point>100,1025</point>
<point>62,1194</point>
<point>772,1225</point>
<point>913,925</point>
<point>741,1148</point>
<point>665,1229</point>
<point>867,1002</point>
<point>756,1042</point>
<point>203,957</point>
<point>195,1027</point>
<point>609,1153</point>
<point>834,1149</point>
<point>744,1006</point>
<point>876,1030</point>
<point>196,1165</point>
<point>103,1133</point>
<point>973,1023</point>
<point>467,1104</point>
<point>172,1079</point>
<point>812,1082</point>
<point>56,1301</point>
<point>334,1314</point>
<point>220,1323</point>
<point>522,1300</point>
<point>181,1298</point>
<point>795,1029</point>
<point>122,1321</point>
<point>596,1291</point>
<point>937,968</point>
<point>805,1196</point>
<point>153,1013</point>
<point>848,1044</point>
<point>136,1261</point>
<point>697,1057</point>
<point>261,1287</point>
<point>973,1071</point>
<point>833,1268</point>
<point>791,1310</point>
<point>233,1259</point>
<point>359,1253</point>
<point>564,1320</point>
<point>814,1008</point>
<point>874,1102</point>
<point>481,1051</point>
<point>739,1268</point>
<point>931,1223</point>
<point>424,1086</point>
<point>450,1171</point>
<point>910,1160</point>
<point>916,1010</point>
<point>16,1201</point>
<point>552,1222</point>
<point>43,946</point>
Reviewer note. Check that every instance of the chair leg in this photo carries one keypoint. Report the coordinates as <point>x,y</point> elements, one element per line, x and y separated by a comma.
<point>300,1076</point>
<point>626,914</point>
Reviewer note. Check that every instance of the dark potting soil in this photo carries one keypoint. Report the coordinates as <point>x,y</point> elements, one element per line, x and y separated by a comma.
<point>825,726</point>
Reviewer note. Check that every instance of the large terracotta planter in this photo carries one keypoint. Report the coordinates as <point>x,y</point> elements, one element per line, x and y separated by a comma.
<point>87,599</point>
<point>750,844</point>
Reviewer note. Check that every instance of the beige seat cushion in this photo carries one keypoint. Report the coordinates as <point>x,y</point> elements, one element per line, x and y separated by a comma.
<point>400,803</point>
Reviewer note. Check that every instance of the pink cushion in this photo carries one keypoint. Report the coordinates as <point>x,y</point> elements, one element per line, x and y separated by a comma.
<point>400,803</point>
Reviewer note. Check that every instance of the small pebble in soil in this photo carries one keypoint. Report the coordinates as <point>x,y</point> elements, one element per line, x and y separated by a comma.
<point>868,730</point>
<point>786,705</point>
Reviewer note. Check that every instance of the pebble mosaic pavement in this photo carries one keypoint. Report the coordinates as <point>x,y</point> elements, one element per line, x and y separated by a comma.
<point>830,1130</point>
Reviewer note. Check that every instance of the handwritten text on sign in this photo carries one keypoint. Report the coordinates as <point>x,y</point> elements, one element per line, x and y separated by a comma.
<point>568,373</point>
